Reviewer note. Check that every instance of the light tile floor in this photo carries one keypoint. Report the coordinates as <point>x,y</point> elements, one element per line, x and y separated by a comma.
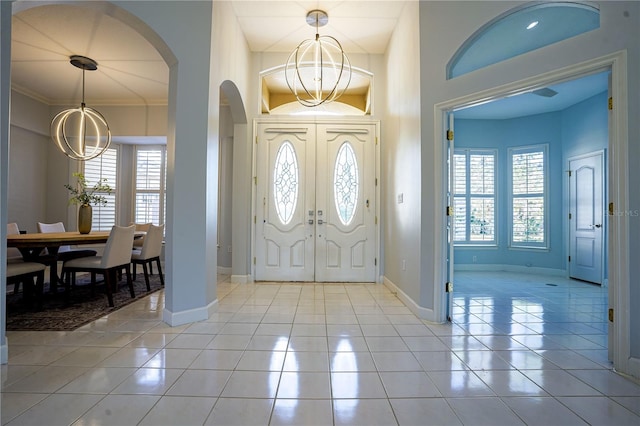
<point>521,350</point>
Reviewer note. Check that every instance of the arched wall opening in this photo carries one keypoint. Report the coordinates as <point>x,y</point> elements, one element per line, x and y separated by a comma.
<point>180,307</point>
<point>521,30</point>
<point>234,185</point>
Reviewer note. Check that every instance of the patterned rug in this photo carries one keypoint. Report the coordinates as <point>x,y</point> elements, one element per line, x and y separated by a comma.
<point>60,313</point>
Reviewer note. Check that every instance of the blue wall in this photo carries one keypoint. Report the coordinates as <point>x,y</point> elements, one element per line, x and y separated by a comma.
<point>576,130</point>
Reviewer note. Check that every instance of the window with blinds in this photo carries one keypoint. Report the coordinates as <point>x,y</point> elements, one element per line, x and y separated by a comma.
<point>474,196</point>
<point>104,166</point>
<point>528,196</point>
<point>151,177</point>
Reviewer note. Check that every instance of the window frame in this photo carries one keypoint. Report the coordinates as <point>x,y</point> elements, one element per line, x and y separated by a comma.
<point>162,191</point>
<point>468,152</point>
<point>528,149</point>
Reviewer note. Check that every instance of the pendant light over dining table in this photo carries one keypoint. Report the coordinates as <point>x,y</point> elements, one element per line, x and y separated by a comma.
<point>81,133</point>
<point>318,70</point>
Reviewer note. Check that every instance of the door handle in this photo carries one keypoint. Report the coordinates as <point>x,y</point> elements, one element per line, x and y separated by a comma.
<point>598,225</point>
<point>310,221</point>
<point>320,221</point>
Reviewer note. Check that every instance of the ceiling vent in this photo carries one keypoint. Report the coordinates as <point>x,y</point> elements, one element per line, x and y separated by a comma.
<point>545,92</point>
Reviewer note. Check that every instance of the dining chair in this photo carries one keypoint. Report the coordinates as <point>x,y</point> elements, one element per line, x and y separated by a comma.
<point>25,272</point>
<point>140,227</point>
<point>116,256</point>
<point>150,252</point>
<point>13,254</point>
<point>64,253</point>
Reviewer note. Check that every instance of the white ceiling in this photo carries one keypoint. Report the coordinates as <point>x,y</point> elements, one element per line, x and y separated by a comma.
<point>568,93</point>
<point>130,71</point>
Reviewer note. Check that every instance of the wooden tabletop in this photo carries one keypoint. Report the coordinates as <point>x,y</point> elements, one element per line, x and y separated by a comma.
<point>52,239</point>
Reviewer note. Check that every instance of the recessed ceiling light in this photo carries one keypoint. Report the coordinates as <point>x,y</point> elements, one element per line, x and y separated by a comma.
<point>532,25</point>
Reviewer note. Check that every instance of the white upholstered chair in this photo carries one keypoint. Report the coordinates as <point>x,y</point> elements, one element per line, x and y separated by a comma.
<point>63,254</point>
<point>149,253</point>
<point>116,256</point>
<point>13,254</point>
<point>25,272</point>
<point>140,227</point>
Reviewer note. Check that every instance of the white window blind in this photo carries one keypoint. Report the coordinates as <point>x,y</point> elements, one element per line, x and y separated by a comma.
<point>475,196</point>
<point>528,196</point>
<point>150,173</point>
<point>101,167</point>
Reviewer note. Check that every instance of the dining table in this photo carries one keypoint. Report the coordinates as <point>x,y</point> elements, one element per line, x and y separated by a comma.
<point>32,245</point>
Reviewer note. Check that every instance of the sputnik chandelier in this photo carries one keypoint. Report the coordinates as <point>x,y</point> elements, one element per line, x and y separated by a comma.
<point>318,70</point>
<point>81,133</point>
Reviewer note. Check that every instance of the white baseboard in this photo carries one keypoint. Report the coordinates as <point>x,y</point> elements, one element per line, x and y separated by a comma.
<point>4,352</point>
<point>241,279</point>
<point>192,315</point>
<point>419,311</point>
<point>224,270</point>
<point>510,268</point>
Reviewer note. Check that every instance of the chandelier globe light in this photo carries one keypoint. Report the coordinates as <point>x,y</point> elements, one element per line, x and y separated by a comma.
<point>81,133</point>
<point>318,70</point>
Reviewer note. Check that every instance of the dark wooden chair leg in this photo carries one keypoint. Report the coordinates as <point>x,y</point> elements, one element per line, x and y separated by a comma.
<point>160,271</point>
<point>109,278</point>
<point>130,282</point>
<point>39,290</point>
<point>146,275</point>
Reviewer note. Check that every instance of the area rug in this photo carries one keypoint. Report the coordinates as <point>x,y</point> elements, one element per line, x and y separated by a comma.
<point>62,313</point>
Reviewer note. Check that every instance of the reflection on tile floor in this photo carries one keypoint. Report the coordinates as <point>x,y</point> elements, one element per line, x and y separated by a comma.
<point>521,349</point>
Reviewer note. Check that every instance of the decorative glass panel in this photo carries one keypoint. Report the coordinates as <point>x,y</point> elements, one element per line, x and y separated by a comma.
<point>345,183</point>
<point>285,182</point>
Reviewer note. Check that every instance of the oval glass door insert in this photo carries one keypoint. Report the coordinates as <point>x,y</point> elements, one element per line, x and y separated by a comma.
<point>285,182</point>
<point>345,183</point>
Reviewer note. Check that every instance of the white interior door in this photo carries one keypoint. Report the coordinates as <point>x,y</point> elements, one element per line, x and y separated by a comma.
<point>315,202</point>
<point>450,215</point>
<point>586,217</point>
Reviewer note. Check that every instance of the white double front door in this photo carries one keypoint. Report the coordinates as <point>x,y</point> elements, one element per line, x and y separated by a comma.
<point>315,202</point>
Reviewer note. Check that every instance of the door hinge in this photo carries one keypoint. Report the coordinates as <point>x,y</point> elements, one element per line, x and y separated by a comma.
<point>255,180</point>
<point>610,103</point>
<point>254,220</point>
<point>256,138</point>
<point>569,258</point>
<point>376,221</point>
<point>254,260</point>
<point>449,211</point>
<point>610,209</point>
<point>449,287</point>
<point>376,140</point>
<point>376,181</point>
<point>569,216</point>
<point>610,314</point>
<point>449,135</point>
<point>375,261</point>
<point>569,173</point>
